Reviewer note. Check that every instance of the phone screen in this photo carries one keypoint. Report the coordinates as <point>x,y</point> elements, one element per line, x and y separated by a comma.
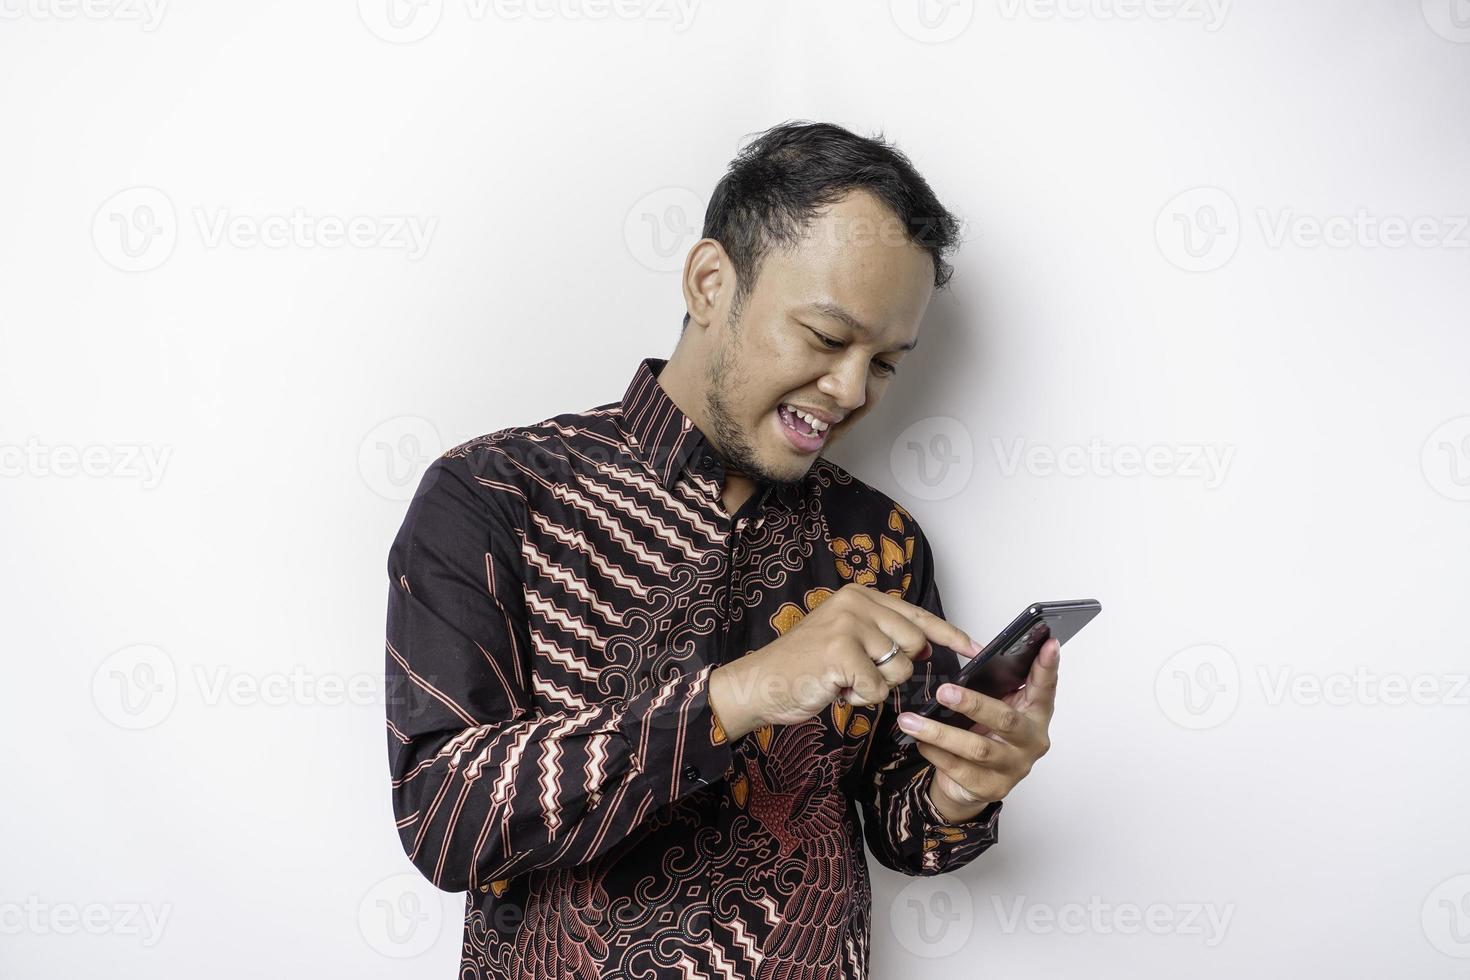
<point>1005,663</point>
<point>1007,670</point>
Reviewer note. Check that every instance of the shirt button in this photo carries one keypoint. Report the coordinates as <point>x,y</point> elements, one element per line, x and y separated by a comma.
<point>692,773</point>
<point>706,463</point>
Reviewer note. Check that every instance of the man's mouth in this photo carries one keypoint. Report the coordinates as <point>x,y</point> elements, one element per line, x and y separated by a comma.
<point>804,431</point>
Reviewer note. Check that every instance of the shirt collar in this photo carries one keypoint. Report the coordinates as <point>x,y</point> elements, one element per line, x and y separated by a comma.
<point>667,440</point>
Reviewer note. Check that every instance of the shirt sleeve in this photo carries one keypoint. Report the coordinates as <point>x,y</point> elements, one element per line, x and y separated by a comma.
<point>487,783</point>
<point>904,831</point>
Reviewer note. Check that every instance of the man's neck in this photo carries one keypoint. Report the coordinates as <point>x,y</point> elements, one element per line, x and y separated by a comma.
<point>683,391</point>
<point>737,490</point>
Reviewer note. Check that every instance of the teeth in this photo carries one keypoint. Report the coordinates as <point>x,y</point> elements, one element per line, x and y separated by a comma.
<point>811,420</point>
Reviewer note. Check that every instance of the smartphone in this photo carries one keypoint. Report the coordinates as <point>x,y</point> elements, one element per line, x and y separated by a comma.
<point>1005,663</point>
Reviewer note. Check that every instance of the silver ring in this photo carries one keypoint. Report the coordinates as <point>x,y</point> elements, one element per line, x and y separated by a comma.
<point>892,652</point>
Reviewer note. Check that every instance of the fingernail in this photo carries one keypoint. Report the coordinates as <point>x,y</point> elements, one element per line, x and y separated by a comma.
<point>910,723</point>
<point>927,652</point>
<point>949,694</point>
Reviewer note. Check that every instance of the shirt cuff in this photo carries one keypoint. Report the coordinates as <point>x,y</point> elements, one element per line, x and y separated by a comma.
<point>983,822</point>
<point>677,742</point>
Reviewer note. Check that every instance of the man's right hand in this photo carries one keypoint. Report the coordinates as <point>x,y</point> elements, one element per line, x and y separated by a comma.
<point>829,654</point>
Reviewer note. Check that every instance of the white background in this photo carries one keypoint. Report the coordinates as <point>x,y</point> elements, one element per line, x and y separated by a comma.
<point>192,701</point>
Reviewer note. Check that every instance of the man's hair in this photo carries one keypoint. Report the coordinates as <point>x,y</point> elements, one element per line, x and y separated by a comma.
<point>776,185</point>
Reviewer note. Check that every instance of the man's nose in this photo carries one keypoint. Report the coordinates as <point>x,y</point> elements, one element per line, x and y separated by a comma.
<point>848,387</point>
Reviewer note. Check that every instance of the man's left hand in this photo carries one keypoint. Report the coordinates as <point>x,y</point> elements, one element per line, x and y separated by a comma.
<point>978,764</point>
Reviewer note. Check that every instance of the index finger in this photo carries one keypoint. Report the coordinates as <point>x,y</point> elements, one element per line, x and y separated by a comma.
<point>937,630</point>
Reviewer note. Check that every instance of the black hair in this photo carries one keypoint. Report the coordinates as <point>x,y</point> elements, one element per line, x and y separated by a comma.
<point>778,183</point>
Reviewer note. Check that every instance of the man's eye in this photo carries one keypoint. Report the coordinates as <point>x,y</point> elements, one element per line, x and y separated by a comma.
<point>883,368</point>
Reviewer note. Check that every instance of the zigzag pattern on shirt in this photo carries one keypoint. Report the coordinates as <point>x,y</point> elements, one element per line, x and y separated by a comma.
<point>554,615</point>
<point>576,539</point>
<point>574,584</point>
<point>568,660</point>
<point>691,517</point>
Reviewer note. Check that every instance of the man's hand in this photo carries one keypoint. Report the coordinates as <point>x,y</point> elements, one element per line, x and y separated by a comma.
<point>830,654</point>
<point>981,763</point>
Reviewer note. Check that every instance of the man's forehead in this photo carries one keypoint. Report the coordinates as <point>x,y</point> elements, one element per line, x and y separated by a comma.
<point>859,220</point>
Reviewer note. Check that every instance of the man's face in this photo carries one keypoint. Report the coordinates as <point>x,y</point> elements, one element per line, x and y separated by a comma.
<point>821,330</point>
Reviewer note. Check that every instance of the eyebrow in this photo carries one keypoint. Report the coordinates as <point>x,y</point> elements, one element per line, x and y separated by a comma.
<point>853,323</point>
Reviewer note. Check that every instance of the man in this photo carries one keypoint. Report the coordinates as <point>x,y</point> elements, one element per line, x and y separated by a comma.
<point>650,656</point>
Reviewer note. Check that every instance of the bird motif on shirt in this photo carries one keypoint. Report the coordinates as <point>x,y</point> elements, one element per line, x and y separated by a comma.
<point>793,796</point>
<point>566,939</point>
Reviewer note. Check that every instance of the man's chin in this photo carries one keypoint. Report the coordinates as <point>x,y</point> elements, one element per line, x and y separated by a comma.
<point>797,472</point>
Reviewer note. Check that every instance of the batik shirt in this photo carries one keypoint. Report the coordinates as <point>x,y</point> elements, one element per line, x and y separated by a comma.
<point>559,594</point>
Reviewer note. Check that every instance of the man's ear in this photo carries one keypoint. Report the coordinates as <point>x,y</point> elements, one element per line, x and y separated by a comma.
<point>709,279</point>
